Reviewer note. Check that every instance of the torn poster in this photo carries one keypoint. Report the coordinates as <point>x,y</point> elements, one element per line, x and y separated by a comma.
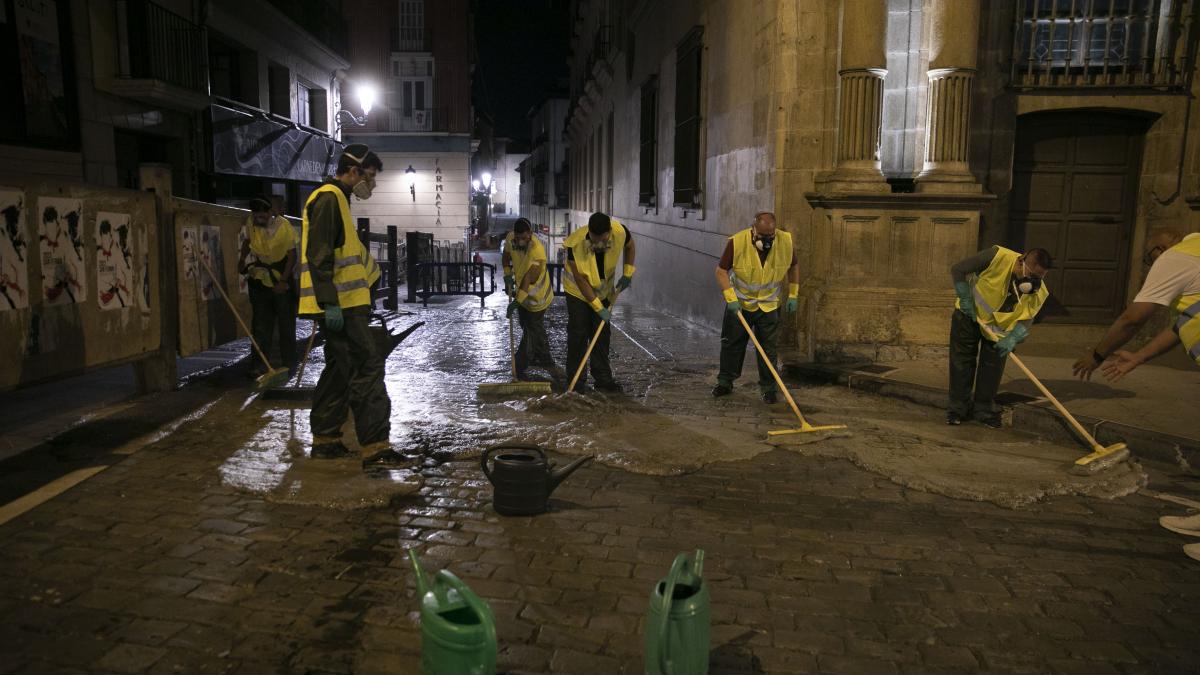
<point>14,251</point>
<point>114,260</point>
<point>60,238</point>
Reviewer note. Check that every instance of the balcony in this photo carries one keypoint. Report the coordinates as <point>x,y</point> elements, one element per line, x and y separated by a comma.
<point>1116,44</point>
<point>162,57</point>
<point>320,18</point>
<point>400,120</point>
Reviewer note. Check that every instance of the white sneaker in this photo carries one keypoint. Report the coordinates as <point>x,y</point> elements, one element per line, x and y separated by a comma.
<point>1189,525</point>
<point>1193,551</point>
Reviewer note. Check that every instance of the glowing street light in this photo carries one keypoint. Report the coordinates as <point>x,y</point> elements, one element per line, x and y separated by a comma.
<point>410,175</point>
<point>366,97</point>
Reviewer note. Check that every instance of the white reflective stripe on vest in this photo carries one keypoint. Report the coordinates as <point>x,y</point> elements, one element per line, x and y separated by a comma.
<point>1186,315</point>
<point>344,286</point>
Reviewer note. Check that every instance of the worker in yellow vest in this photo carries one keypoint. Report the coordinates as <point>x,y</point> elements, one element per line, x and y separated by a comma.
<point>268,258</point>
<point>1174,283</point>
<point>591,282</point>
<point>336,274</point>
<point>999,293</point>
<point>527,282</point>
<point>751,273</point>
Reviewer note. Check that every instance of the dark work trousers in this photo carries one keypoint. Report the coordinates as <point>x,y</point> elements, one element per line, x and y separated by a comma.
<point>352,381</point>
<point>969,347</point>
<point>582,321</point>
<point>733,346</point>
<point>534,348</point>
<point>273,311</point>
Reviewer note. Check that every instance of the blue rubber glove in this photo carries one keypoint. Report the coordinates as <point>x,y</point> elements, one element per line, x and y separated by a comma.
<point>1008,343</point>
<point>334,320</point>
<point>606,314</point>
<point>733,307</point>
<point>512,307</point>
<point>792,305</point>
<point>624,282</point>
<point>966,301</point>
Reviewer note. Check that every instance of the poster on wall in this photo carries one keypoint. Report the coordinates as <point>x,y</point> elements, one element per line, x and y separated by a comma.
<point>187,240</point>
<point>14,252</point>
<point>41,68</point>
<point>60,237</point>
<point>143,290</point>
<point>210,252</point>
<point>114,261</point>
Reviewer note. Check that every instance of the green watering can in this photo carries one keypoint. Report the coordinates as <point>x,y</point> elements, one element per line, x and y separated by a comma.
<point>677,625</point>
<point>458,630</point>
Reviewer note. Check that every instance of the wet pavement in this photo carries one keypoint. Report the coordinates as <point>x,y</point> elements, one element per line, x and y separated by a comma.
<point>208,542</point>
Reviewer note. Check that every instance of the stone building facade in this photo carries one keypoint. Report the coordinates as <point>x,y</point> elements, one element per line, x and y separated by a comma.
<point>892,138</point>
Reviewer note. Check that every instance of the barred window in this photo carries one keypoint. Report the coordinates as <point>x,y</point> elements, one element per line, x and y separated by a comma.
<point>687,120</point>
<point>648,147</point>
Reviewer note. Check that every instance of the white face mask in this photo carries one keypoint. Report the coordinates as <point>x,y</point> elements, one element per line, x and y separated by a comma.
<point>364,188</point>
<point>1027,284</point>
<point>599,246</point>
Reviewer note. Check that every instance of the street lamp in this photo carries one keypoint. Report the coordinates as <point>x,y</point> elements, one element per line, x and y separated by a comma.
<point>410,175</point>
<point>366,95</point>
<point>475,185</point>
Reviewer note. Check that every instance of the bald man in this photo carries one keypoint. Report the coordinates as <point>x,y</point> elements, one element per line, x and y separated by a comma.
<point>1173,282</point>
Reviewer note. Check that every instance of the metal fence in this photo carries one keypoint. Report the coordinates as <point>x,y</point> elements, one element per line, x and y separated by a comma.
<point>158,44</point>
<point>1103,43</point>
<point>454,278</point>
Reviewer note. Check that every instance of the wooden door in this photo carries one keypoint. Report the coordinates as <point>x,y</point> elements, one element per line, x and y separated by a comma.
<point>1075,180</point>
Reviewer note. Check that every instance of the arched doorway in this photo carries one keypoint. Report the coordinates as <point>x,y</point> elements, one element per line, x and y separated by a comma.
<point>1075,176</point>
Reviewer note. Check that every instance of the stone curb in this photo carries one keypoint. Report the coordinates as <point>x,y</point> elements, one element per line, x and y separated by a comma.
<point>1038,417</point>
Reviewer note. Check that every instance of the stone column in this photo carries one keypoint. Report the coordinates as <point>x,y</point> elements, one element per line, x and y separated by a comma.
<point>860,102</point>
<point>953,53</point>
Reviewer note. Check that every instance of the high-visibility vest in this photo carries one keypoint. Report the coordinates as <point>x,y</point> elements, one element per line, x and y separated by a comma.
<point>354,271</point>
<point>990,290</point>
<point>540,293</point>
<point>1185,310</point>
<point>759,283</point>
<point>585,261</point>
<point>270,249</point>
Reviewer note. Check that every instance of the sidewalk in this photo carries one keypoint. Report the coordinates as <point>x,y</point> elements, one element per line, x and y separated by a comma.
<point>1152,409</point>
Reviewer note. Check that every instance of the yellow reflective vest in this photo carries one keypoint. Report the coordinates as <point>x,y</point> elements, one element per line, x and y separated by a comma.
<point>269,248</point>
<point>540,293</point>
<point>1185,310</point>
<point>585,261</point>
<point>354,271</point>
<point>759,283</point>
<point>991,288</point>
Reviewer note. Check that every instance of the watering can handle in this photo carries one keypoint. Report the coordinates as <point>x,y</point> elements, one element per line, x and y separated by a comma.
<point>483,459</point>
<point>473,601</point>
<point>664,632</point>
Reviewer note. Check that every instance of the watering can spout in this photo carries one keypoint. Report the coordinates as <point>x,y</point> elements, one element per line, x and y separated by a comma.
<point>558,476</point>
<point>418,574</point>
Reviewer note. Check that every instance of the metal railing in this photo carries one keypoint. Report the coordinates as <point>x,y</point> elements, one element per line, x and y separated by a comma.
<point>385,248</point>
<point>412,119</point>
<point>455,278</point>
<point>1103,43</point>
<point>157,44</point>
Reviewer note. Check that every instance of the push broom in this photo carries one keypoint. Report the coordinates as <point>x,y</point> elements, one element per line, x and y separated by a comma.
<point>805,427</point>
<point>1101,456</point>
<point>516,387</point>
<point>274,376</point>
<point>591,345</point>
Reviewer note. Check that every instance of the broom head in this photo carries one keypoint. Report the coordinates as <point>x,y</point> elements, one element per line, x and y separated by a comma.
<point>272,378</point>
<point>514,388</point>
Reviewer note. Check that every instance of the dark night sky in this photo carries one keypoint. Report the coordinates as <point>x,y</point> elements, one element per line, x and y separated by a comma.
<point>522,49</point>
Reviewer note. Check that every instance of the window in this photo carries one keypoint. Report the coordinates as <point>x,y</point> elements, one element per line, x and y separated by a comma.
<point>279,88</point>
<point>648,146</point>
<point>38,75</point>
<point>412,26</point>
<point>232,71</point>
<point>311,106</point>
<point>687,120</point>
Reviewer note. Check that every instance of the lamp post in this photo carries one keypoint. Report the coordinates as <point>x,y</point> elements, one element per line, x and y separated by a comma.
<point>410,175</point>
<point>366,95</point>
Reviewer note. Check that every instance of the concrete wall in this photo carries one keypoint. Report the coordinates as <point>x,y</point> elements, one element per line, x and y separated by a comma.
<point>392,203</point>
<point>49,335</point>
<point>204,317</point>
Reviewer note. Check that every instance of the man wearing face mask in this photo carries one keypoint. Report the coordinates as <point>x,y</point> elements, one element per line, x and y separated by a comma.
<point>751,273</point>
<point>1173,282</point>
<point>336,274</point>
<point>591,283</point>
<point>999,293</point>
<point>528,285</point>
<point>268,257</point>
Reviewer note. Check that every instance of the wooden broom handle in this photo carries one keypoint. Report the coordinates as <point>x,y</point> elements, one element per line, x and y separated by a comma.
<point>234,310</point>
<point>591,346</point>
<point>778,380</point>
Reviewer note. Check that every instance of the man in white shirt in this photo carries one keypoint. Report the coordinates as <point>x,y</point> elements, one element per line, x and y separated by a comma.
<point>1174,274</point>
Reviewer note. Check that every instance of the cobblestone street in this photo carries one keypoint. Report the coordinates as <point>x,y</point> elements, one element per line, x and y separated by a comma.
<point>884,549</point>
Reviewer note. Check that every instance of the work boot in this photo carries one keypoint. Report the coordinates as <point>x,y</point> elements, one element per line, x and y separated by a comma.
<point>992,422</point>
<point>334,449</point>
<point>770,397</point>
<point>1192,551</point>
<point>953,419</point>
<point>381,457</point>
<point>722,390</point>
<point>610,386</point>
<point>1189,525</point>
